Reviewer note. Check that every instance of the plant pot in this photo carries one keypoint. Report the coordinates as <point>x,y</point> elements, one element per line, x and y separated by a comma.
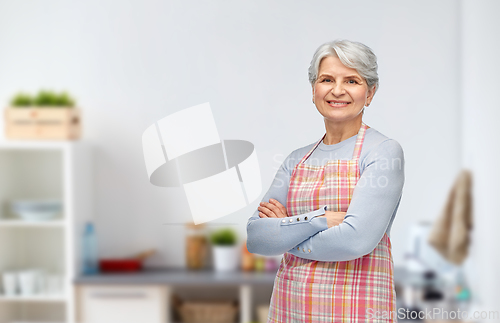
<point>226,258</point>
<point>58,123</point>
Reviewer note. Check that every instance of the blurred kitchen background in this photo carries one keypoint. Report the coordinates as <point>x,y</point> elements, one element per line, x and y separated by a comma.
<point>79,209</point>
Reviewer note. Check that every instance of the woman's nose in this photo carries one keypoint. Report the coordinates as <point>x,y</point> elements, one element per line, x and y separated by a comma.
<point>337,89</point>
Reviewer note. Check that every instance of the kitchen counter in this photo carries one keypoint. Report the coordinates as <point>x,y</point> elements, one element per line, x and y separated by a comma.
<point>178,277</point>
<point>189,277</point>
<point>156,286</point>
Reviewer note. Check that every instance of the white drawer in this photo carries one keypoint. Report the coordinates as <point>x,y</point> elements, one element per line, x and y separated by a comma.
<point>122,304</point>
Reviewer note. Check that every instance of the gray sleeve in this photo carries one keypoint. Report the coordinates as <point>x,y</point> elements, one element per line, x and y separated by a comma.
<point>275,236</point>
<point>375,200</point>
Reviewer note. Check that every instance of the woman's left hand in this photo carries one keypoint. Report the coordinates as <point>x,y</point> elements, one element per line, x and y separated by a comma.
<point>273,209</point>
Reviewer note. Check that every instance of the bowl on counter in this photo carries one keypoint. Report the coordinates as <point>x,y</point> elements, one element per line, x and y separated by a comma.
<point>36,210</point>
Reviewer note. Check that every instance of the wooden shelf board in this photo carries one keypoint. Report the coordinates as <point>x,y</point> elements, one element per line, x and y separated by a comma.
<point>33,144</point>
<point>32,224</point>
<point>34,298</point>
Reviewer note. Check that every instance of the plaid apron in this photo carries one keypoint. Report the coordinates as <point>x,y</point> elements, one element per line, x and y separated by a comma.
<point>359,290</point>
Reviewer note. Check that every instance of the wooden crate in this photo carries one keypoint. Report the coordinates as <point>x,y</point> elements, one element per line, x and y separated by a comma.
<point>42,123</point>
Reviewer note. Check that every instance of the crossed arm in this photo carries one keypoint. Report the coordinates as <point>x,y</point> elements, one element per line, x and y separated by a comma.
<point>325,236</point>
<point>275,234</point>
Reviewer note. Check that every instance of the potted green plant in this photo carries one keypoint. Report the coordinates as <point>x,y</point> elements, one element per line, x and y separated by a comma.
<point>47,115</point>
<point>225,249</point>
<point>44,99</point>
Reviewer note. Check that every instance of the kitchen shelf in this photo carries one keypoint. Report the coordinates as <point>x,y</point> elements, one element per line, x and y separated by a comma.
<point>37,145</point>
<point>35,298</point>
<point>31,224</point>
<point>44,170</point>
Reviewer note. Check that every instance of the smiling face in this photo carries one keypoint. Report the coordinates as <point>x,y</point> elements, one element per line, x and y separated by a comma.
<point>340,93</point>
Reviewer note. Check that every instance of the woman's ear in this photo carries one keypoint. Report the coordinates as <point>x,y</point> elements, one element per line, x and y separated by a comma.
<point>370,95</point>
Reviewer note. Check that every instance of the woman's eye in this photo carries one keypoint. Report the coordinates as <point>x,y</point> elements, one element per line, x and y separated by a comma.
<point>352,82</point>
<point>327,80</point>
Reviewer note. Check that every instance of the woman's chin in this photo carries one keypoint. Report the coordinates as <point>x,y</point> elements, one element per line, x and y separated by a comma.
<point>340,116</point>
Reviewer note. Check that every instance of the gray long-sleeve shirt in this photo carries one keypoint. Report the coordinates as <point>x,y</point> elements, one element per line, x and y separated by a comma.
<point>371,212</point>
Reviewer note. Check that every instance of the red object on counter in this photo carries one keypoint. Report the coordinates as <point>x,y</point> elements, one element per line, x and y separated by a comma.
<point>120,265</point>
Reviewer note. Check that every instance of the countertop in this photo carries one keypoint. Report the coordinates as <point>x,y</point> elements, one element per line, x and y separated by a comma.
<point>188,277</point>
<point>178,277</point>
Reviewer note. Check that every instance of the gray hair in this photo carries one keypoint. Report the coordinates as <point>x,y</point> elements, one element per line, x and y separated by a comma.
<point>351,54</point>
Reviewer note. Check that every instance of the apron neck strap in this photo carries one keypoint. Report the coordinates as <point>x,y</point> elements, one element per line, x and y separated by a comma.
<point>359,141</point>
<point>357,148</point>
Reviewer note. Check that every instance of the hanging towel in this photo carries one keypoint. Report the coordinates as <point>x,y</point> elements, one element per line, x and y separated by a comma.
<point>450,233</point>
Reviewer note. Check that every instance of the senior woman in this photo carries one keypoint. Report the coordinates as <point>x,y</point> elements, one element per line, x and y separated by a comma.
<point>332,203</point>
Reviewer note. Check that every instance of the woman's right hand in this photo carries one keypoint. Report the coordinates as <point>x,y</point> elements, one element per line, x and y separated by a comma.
<point>273,209</point>
<point>333,218</point>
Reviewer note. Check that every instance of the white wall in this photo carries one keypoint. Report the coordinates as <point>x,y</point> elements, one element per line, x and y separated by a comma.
<point>481,153</point>
<point>132,62</point>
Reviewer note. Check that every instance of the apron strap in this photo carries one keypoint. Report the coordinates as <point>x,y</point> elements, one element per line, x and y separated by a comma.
<point>359,141</point>
<point>311,151</point>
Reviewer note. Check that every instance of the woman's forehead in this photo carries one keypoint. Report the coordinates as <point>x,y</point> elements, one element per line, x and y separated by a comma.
<point>332,65</point>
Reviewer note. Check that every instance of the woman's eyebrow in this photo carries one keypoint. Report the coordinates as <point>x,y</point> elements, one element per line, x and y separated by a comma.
<point>347,77</point>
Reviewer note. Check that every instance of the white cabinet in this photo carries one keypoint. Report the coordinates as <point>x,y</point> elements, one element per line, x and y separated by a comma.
<point>124,304</point>
<point>43,170</point>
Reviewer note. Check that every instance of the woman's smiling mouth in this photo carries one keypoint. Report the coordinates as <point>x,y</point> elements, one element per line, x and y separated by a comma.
<point>338,104</point>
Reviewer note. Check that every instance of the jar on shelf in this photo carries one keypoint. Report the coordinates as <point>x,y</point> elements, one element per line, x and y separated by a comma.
<point>196,246</point>
<point>247,259</point>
